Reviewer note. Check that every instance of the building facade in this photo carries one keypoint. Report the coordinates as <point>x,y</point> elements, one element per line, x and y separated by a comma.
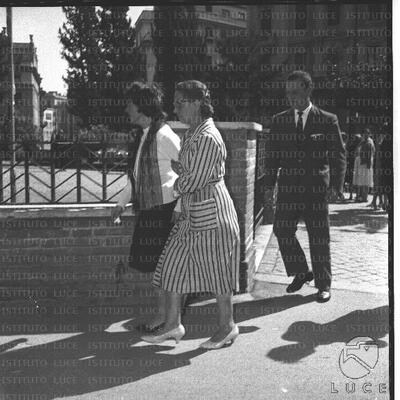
<point>214,23</point>
<point>64,124</point>
<point>27,82</point>
<point>49,127</point>
<point>345,47</point>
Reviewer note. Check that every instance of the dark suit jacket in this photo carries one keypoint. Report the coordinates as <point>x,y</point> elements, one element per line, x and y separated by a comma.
<point>313,161</point>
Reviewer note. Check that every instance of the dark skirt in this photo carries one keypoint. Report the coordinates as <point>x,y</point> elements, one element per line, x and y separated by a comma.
<point>151,232</point>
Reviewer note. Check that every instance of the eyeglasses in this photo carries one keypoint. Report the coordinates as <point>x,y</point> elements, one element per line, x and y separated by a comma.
<point>181,101</point>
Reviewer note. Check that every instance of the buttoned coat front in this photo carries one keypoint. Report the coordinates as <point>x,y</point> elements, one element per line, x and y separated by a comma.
<point>310,162</point>
<point>203,250</point>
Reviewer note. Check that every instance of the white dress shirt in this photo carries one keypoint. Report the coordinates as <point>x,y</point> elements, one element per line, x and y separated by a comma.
<point>168,146</point>
<point>139,152</point>
<point>304,116</point>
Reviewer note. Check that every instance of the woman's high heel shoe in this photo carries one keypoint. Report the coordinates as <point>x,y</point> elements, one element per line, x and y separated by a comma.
<point>229,339</point>
<point>144,328</point>
<point>176,334</point>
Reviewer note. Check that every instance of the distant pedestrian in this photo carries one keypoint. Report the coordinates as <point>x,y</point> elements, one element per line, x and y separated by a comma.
<point>363,176</point>
<point>340,194</point>
<point>378,190</point>
<point>306,145</point>
<point>351,146</point>
<point>386,149</point>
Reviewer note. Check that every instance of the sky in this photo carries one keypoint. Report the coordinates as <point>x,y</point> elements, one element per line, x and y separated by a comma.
<point>43,23</point>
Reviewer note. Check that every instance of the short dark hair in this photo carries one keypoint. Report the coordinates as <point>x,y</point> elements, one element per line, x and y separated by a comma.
<point>302,76</point>
<point>148,97</point>
<point>196,90</point>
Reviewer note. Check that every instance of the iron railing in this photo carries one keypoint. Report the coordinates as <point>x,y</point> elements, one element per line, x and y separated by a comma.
<point>61,172</point>
<point>259,190</point>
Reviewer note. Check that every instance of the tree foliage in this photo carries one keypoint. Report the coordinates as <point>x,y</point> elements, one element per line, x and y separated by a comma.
<point>120,58</point>
<point>179,47</point>
<point>234,81</point>
<point>79,39</point>
<point>99,47</point>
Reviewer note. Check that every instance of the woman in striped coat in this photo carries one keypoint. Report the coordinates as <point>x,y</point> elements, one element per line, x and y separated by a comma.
<point>203,248</point>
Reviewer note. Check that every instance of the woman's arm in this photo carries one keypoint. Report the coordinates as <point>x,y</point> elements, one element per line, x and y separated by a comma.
<point>168,146</point>
<point>126,195</point>
<point>204,155</point>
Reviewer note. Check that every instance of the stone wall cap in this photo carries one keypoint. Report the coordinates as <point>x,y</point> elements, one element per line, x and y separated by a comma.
<point>60,210</point>
<point>223,125</point>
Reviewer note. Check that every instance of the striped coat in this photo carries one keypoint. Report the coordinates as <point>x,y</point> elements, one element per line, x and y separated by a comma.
<point>202,252</point>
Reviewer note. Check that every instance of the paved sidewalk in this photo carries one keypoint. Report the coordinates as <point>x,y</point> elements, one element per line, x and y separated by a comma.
<point>359,250</point>
<point>290,347</point>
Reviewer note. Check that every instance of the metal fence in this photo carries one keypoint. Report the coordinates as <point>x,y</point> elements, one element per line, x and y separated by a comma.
<point>61,172</point>
<point>259,189</point>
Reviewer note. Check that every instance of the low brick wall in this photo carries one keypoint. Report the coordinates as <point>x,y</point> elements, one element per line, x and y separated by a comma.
<point>69,253</point>
<point>240,139</point>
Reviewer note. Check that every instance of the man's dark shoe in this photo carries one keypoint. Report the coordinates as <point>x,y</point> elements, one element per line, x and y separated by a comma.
<point>299,280</point>
<point>323,296</point>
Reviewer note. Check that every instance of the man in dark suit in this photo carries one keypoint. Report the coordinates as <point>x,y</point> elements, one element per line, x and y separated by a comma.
<point>306,147</point>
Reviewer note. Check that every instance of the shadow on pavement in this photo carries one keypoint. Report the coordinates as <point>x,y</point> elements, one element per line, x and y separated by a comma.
<point>13,343</point>
<point>309,335</point>
<point>372,221</point>
<point>97,360</point>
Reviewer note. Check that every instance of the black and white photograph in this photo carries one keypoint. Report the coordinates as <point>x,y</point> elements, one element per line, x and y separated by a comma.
<point>197,201</point>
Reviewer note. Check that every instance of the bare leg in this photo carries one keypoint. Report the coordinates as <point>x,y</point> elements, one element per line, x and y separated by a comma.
<point>159,318</point>
<point>173,310</point>
<point>225,317</point>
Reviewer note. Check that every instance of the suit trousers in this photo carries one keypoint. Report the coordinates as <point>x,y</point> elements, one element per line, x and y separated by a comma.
<point>314,210</point>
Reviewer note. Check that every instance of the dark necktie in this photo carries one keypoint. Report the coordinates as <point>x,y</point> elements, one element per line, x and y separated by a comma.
<point>299,133</point>
<point>299,127</point>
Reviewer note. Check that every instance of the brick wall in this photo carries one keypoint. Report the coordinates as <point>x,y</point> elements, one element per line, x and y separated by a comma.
<point>240,139</point>
<point>70,254</point>
<point>73,253</point>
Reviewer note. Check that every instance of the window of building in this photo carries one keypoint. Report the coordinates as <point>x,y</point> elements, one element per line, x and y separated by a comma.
<point>48,117</point>
<point>373,55</point>
<point>300,21</point>
<point>241,15</point>
<point>226,13</point>
<point>209,33</point>
<point>373,10</point>
<point>333,14</point>
<point>300,60</point>
<point>266,20</point>
<point>208,8</point>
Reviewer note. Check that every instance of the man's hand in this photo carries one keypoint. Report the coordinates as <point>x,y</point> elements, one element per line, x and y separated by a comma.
<point>332,194</point>
<point>116,212</point>
<point>175,216</point>
<point>269,196</point>
<point>176,167</point>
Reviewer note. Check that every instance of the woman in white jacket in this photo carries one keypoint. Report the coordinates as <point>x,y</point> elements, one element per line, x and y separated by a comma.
<point>150,184</point>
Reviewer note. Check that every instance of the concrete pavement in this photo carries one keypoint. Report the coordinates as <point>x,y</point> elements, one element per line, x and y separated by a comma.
<point>289,346</point>
<point>359,249</point>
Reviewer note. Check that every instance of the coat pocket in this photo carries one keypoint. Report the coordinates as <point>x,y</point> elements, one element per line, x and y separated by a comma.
<point>317,137</point>
<point>203,215</point>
